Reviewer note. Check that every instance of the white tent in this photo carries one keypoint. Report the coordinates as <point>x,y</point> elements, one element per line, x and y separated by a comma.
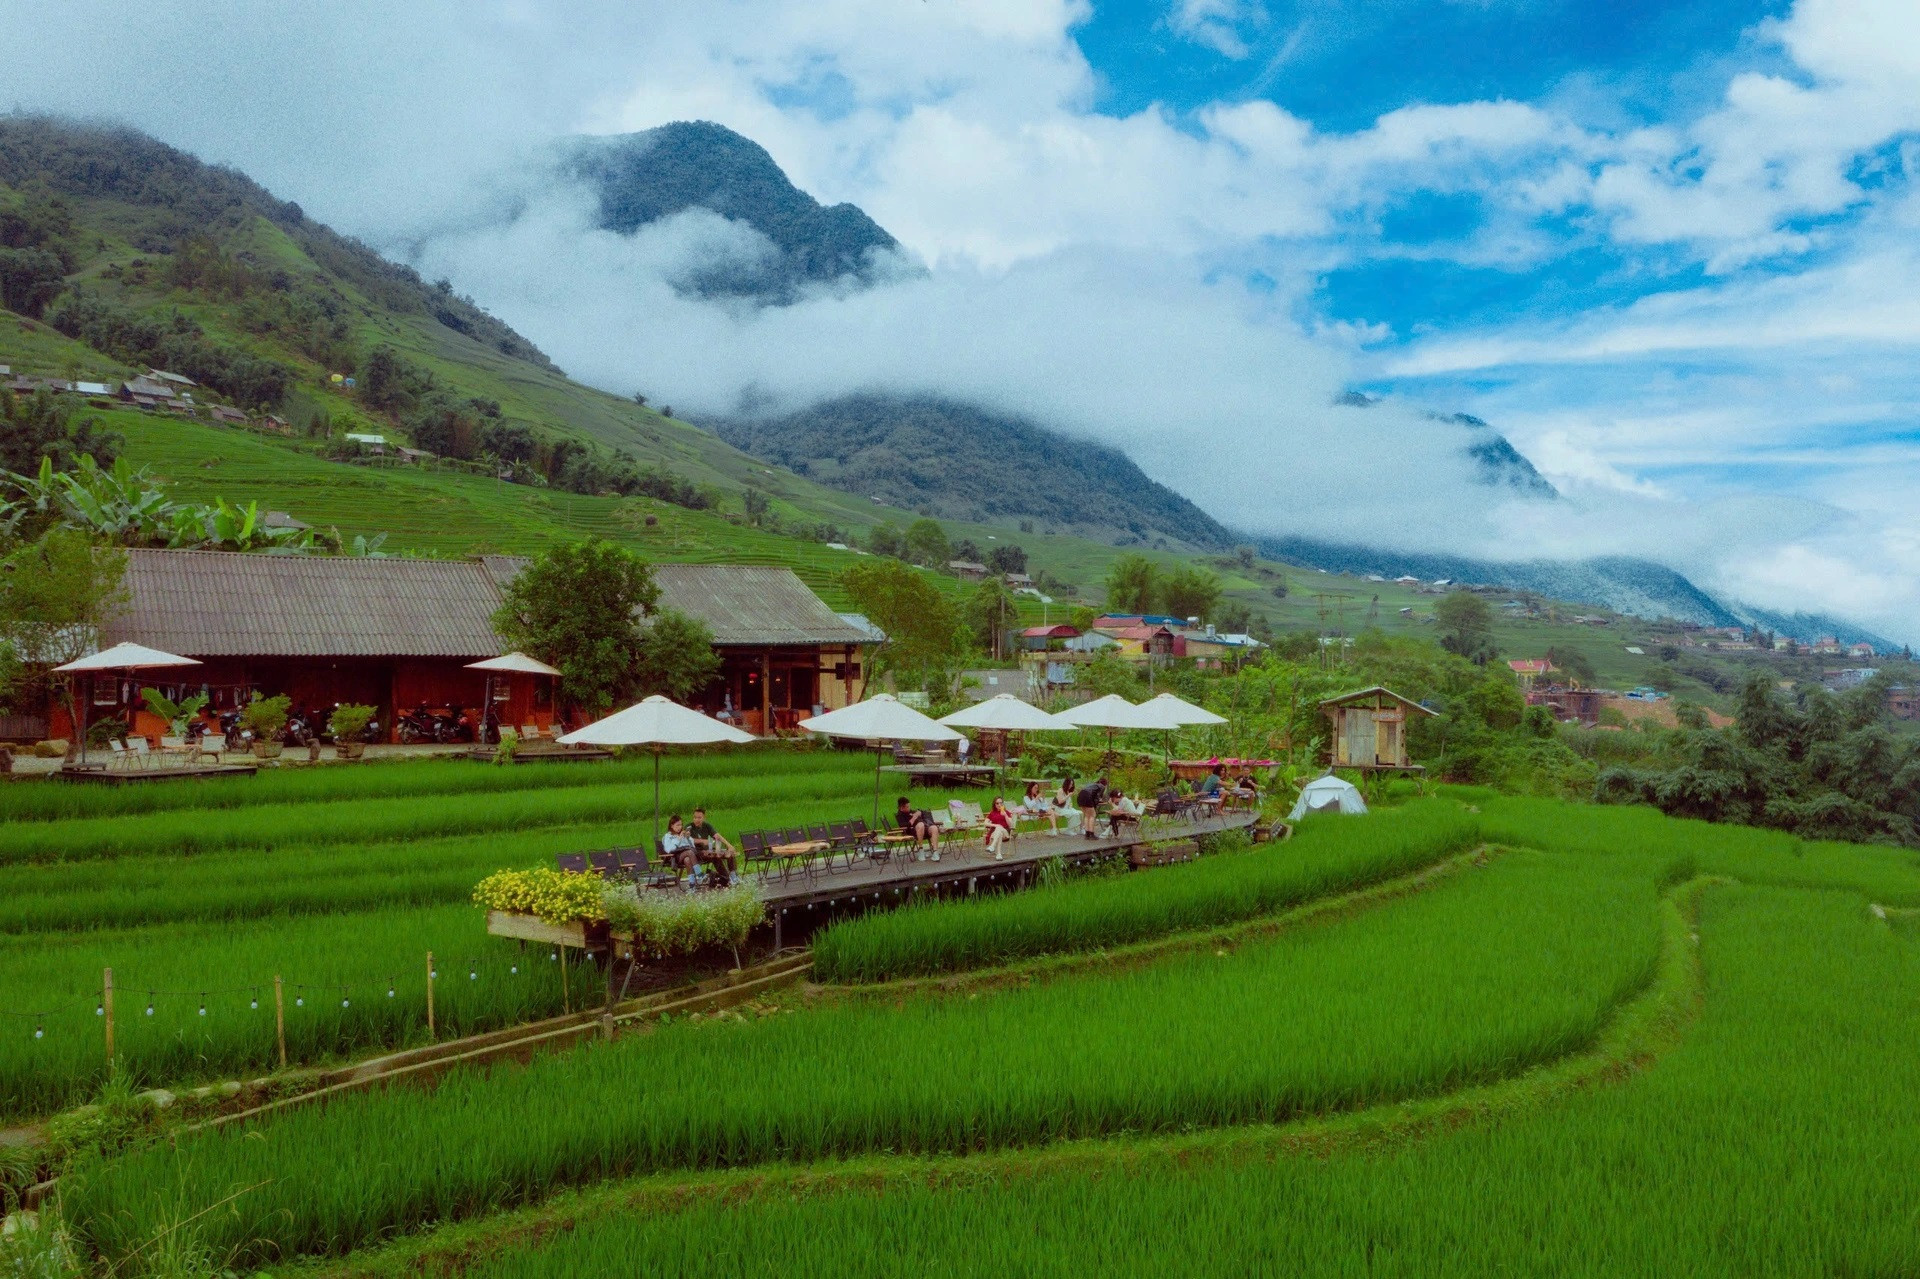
<point>656,722</point>
<point>1327,795</point>
<point>880,719</point>
<point>122,657</point>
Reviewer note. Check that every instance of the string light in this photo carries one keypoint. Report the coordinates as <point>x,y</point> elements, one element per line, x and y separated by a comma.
<point>515,970</point>
<point>254,1003</point>
<point>39,1031</point>
<point>390,987</point>
<point>203,1003</point>
<point>299,1001</point>
<point>99,1008</point>
<point>149,1003</point>
<point>344,1001</point>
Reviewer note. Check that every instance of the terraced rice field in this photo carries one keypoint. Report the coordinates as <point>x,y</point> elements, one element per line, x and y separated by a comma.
<point>1475,1035</point>
<point>340,880</point>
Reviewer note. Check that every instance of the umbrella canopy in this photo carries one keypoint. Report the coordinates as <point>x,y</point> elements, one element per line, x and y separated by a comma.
<point>1327,794</point>
<point>655,722</point>
<point>1006,712</point>
<point>882,717</point>
<point>1111,711</point>
<point>1168,711</point>
<point>125,657</point>
<point>514,664</point>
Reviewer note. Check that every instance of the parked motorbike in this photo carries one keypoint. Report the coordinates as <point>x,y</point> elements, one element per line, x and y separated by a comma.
<point>302,728</point>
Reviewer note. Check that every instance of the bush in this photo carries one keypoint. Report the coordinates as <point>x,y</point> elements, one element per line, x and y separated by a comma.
<point>558,897</point>
<point>665,924</point>
<point>349,720</point>
<point>266,716</point>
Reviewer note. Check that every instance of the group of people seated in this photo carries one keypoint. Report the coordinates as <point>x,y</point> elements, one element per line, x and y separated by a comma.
<point>1211,785</point>
<point>699,850</point>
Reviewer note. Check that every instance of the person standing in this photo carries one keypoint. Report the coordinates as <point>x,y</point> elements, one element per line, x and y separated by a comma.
<point>1089,800</point>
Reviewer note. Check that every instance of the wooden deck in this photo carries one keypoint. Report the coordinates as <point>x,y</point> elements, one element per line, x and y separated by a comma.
<point>946,774</point>
<point>101,775</point>
<point>965,863</point>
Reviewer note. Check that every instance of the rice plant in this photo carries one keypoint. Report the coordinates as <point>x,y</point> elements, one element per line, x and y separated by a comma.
<point>1777,1140</point>
<point>1333,1017</point>
<point>1329,854</point>
<point>193,1002</point>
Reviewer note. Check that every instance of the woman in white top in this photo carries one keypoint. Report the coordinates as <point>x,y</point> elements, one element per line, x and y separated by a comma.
<point>676,846</point>
<point>1064,807</point>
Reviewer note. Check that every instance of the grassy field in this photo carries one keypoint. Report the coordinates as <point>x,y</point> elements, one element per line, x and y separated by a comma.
<point>1305,1023</point>
<point>342,896</point>
<point>1774,1140</point>
<point>1329,855</point>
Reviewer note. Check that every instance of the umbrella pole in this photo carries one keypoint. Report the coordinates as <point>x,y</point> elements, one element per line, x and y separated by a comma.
<point>656,800</point>
<point>83,722</point>
<point>876,788</point>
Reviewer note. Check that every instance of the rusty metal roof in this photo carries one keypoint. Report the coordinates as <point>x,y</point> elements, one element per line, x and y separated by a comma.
<point>225,604</point>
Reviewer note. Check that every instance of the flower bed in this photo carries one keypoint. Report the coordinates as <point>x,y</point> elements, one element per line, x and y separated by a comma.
<point>657,924</point>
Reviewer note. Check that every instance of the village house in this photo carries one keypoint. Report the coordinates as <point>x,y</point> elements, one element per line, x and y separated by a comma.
<point>1370,730</point>
<point>1528,670</point>
<point>967,570</point>
<point>221,413</point>
<point>1038,639</point>
<point>398,633</point>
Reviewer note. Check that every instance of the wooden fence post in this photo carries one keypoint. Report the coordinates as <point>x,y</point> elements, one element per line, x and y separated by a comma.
<point>431,1032</point>
<point>106,1008</point>
<point>280,1017</point>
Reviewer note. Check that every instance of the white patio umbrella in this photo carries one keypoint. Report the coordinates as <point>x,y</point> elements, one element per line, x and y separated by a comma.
<point>1112,712</point>
<point>515,663</point>
<point>122,657</point>
<point>656,722</point>
<point>1172,713</point>
<point>880,719</point>
<point>1007,713</point>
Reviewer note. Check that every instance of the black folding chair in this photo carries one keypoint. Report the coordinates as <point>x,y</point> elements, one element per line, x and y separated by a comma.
<point>823,834</point>
<point>605,864</point>
<point>572,863</point>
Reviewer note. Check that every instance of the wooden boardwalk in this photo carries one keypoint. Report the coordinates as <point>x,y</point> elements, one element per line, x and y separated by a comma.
<point>965,863</point>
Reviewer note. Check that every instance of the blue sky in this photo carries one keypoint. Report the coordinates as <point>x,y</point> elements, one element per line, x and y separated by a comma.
<point>1672,250</point>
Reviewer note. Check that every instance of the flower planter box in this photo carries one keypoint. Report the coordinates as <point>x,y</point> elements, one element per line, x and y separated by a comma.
<point>577,933</point>
<point>267,750</point>
<point>350,750</point>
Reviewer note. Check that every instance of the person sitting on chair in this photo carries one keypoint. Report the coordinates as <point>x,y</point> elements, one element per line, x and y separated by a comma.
<point>1063,806</point>
<point>1035,804</point>
<point>710,846</point>
<point>1123,811</point>
<point>999,827</point>
<point>1210,785</point>
<point>917,823</point>
<point>676,846</point>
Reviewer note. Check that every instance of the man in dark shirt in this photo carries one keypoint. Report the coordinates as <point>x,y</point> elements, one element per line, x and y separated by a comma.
<point>711,846</point>
<point>1089,800</point>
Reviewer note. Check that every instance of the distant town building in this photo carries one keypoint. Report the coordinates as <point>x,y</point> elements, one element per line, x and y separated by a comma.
<point>967,570</point>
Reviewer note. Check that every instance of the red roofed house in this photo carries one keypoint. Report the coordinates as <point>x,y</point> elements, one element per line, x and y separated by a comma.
<point>1037,639</point>
<point>1530,669</point>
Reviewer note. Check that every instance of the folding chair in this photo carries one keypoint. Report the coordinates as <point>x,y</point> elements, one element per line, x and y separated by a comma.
<point>822,834</point>
<point>119,754</point>
<point>143,754</point>
<point>604,864</point>
<point>571,863</point>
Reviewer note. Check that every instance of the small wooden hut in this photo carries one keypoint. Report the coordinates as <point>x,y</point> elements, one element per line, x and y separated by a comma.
<point>1370,730</point>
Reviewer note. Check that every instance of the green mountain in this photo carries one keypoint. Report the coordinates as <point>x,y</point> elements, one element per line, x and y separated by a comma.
<point>958,462</point>
<point>642,178</point>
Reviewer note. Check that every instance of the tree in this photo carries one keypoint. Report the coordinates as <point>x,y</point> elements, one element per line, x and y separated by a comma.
<point>923,629</point>
<point>1243,556</point>
<point>1572,663</point>
<point>1007,559</point>
<point>41,426</point>
<point>55,596</point>
<point>885,539</point>
<point>1191,592</point>
<point>1466,626</point>
<point>968,549</point>
<point>577,606</point>
<point>757,504</point>
<point>676,657</point>
<point>990,612</point>
<point>1082,618</point>
<point>927,544</point>
<point>1132,585</point>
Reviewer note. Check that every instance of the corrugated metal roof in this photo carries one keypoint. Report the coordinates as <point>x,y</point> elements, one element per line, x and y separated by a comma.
<point>751,604</point>
<point>224,604</point>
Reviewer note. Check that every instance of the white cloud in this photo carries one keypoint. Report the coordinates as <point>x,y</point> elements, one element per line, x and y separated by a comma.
<point>1217,24</point>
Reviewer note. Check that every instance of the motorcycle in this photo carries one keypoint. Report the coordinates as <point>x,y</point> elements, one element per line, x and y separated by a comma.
<point>302,730</point>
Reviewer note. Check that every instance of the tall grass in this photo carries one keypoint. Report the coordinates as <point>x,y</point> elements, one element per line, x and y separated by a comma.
<point>1329,854</point>
<point>324,958</point>
<point>274,826</point>
<point>56,800</point>
<point>1778,1139</point>
<point>1331,1017</point>
<point>308,878</point>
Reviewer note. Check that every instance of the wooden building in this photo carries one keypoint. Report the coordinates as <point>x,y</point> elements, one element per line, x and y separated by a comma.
<point>1370,729</point>
<point>398,633</point>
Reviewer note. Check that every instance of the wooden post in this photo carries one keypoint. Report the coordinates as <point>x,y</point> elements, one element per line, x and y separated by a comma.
<point>566,992</point>
<point>766,693</point>
<point>106,1007</point>
<point>280,1017</point>
<point>431,1032</point>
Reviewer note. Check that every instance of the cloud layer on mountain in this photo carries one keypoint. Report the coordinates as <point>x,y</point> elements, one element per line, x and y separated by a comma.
<point>1156,279</point>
